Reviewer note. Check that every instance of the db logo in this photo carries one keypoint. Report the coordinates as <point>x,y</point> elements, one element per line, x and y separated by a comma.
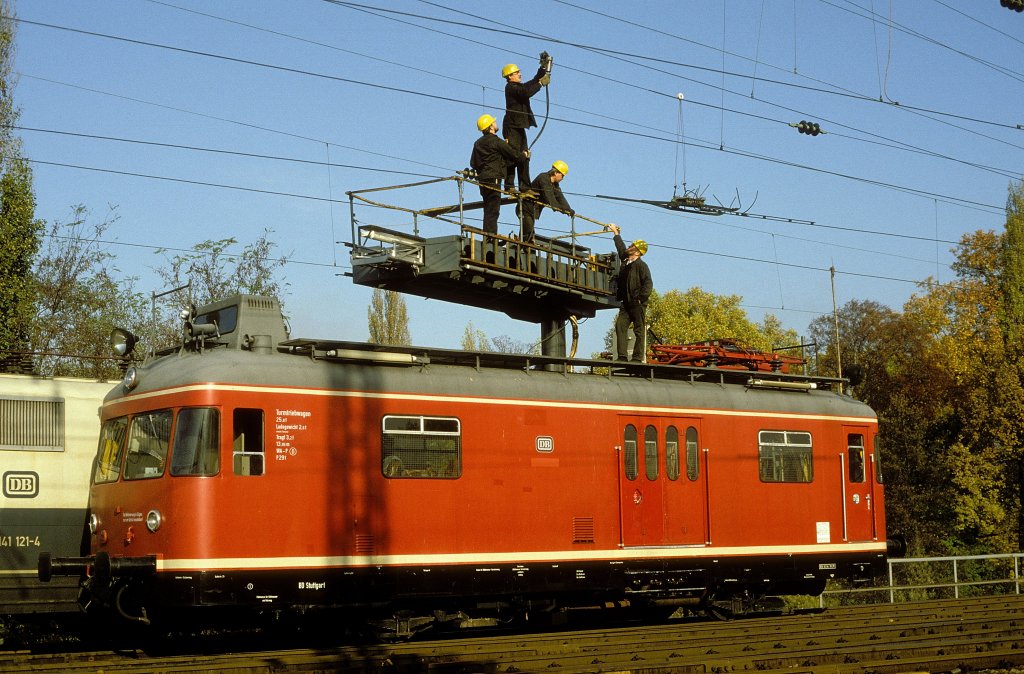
<point>21,484</point>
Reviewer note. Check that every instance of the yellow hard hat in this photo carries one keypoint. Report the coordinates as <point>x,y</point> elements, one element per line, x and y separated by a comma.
<point>561,167</point>
<point>641,246</point>
<point>509,69</point>
<point>484,122</point>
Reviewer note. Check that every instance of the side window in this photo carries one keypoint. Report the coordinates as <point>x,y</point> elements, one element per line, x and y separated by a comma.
<point>692,455</point>
<point>148,436</point>
<point>196,442</point>
<point>247,455</point>
<point>109,454</point>
<point>651,452</point>
<point>672,453</point>
<point>414,446</point>
<point>877,454</point>
<point>629,452</point>
<point>855,456</point>
<point>785,456</point>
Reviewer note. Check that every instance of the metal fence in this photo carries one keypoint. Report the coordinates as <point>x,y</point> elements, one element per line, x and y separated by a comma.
<point>923,578</point>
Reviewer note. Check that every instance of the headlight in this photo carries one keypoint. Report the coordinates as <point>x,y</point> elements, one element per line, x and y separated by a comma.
<point>153,520</point>
<point>94,523</point>
<point>131,379</point>
<point>122,342</point>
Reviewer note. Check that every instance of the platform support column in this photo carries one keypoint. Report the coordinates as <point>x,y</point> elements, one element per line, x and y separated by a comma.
<point>552,341</point>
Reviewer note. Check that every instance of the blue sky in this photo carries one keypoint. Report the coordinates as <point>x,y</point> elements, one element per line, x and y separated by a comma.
<point>920,101</point>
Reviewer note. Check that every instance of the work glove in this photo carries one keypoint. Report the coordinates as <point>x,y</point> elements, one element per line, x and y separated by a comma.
<point>546,80</point>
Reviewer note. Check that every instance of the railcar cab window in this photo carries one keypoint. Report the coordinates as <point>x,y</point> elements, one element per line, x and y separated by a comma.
<point>148,437</point>
<point>247,452</point>
<point>423,447</point>
<point>196,442</point>
<point>855,456</point>
<point>785,456</point>
<point>110,452</point>
<point>629,454</point>
<point>226,319</point>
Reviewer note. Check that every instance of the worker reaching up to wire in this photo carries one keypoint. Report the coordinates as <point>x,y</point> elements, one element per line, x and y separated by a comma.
<point>490,159</point>
<point>633,290</point>
<point>545,191</point>
<point>519,115</point>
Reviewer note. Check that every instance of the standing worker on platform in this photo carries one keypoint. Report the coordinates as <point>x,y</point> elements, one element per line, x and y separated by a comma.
<point>633,291</point>
<point>491,156</point>
<point>549,193</point>
<point>519,116</point>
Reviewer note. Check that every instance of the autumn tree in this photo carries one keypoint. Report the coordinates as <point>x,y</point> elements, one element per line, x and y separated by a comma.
<point>949,399</point>
<point>388,318</point>
<point>211,271</point>
<point>81,296</point>
<point>474,339</point>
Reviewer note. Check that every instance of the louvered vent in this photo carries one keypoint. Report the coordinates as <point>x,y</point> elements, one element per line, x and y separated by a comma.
<point>32,424</point>
<point>583,530</point>
<point>365,545</point>
<point>261,303</point>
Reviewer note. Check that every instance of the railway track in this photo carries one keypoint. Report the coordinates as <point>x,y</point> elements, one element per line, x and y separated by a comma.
<point>964,634</point>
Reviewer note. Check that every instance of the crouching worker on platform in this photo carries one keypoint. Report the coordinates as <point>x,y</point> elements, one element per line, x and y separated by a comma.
<point>544,191</point>
<point>491,155</point>
<point>633,291</point>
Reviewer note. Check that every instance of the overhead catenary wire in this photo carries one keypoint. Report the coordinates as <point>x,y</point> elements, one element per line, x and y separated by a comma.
<point>683,150</point>
<point>662,138</point>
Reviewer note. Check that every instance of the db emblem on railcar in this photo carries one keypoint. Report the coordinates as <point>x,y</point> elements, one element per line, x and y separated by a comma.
<point>21,484</point>
<point>545,443</point>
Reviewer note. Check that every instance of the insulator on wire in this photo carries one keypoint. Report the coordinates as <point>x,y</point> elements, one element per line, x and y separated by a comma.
<point>811,128</point>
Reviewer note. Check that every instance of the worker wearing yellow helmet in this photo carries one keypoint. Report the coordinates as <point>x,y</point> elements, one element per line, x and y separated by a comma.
<point>545,191</point>
<point>633,289</point>
<point>490,159</point>
<point>519,117</point>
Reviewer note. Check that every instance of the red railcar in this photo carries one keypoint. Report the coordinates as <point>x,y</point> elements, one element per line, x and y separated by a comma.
<point>250,470</point>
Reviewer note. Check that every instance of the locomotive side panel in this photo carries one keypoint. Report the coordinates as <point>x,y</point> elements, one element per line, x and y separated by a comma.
<point>48,430</point>
<point>338,483</point>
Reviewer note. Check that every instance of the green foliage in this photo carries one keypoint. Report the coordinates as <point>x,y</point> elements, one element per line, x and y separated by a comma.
<point>19,232</point>
<point>19,229</point>
<point>696,315</point>
<point>388,317</point>
<point>1013,272</point>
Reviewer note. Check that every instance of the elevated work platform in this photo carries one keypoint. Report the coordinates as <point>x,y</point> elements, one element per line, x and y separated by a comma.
<point>542,282</point>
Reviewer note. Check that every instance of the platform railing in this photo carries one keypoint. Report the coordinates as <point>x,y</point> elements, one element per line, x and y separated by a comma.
<point>923,578</point>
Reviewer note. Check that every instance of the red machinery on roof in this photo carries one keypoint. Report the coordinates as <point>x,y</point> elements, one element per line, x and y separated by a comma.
<point>724,353</point>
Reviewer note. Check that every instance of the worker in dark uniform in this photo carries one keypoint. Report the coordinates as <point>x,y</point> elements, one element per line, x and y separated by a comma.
<point>519,117</point>
<point>633,291</point>
<point>548,193</point>
<point>491,155</point>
